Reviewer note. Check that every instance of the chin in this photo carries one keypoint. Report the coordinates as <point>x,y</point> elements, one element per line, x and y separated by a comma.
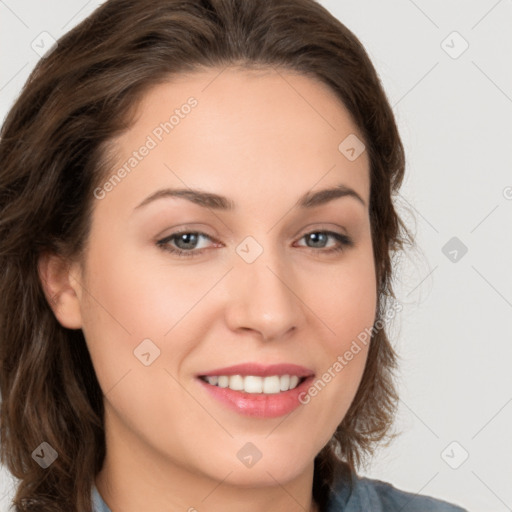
<point>252,467</point>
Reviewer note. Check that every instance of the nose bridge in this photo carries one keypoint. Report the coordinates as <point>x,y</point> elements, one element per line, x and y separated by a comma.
<point>261,296</point>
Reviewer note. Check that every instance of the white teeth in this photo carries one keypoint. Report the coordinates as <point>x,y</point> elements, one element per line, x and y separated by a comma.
<point>285,382</point>
<point>236,382</point>
<point>254,384</point>
<point>294,380</point>
<point>271,385</point>
<point>223,381</point>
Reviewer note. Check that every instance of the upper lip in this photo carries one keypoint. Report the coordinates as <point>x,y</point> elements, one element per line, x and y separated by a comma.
<point>261,370</point>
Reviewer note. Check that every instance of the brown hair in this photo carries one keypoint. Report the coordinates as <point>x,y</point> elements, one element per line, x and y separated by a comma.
<point>53,154</point>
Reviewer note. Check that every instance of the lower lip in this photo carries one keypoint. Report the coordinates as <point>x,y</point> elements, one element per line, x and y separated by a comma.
<point>259,404</point>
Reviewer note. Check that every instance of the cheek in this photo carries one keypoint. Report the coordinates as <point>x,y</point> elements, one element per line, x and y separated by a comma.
<point>122,305</point>
<point>344,297</point>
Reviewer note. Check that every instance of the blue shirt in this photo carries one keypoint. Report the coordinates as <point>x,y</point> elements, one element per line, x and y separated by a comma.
<point>358,495</point>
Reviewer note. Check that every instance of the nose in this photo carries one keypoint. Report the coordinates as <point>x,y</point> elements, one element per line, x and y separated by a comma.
<point>264,297</point>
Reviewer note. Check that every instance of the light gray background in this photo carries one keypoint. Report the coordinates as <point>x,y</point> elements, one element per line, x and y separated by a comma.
<point>454,333</point>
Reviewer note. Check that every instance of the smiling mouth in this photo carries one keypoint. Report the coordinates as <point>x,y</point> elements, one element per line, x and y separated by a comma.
<point>254,384</point>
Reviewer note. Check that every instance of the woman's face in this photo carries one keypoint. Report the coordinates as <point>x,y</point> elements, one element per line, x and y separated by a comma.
<point>260,282</point>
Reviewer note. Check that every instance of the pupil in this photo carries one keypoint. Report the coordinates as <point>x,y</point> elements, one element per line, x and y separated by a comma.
<point>189,239</point>
<point>316,237</point>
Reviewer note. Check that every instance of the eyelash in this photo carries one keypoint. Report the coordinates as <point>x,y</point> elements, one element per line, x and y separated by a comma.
<point>343,240</point>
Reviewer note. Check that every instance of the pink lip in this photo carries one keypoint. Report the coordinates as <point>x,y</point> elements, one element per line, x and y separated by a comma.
<point>261,370</point>
<point>259,404</point>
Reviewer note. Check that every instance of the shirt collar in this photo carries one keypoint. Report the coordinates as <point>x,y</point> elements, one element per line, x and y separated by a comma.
<point>98,505</point>
<point>339,496</point>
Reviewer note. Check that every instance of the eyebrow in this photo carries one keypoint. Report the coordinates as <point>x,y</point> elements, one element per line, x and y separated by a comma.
<point>218,202</point>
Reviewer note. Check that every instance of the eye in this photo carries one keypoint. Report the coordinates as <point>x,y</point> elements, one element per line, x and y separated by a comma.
<point>185,243</point>
<point>320,238</point>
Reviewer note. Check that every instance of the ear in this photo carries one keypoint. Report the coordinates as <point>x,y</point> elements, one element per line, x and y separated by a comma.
<point>62,290</point>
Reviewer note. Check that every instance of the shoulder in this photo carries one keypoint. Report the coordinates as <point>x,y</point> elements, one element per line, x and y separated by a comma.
<point>362,494</point>
<point>389,498</point>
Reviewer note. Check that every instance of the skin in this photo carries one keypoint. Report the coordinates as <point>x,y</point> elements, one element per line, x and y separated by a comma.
<point>263,139</point>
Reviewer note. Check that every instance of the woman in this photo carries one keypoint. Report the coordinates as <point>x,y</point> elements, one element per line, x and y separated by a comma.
<point>197,234</point>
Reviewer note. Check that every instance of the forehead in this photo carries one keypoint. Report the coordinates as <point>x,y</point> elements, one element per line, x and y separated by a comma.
<point>267,131</point>
<point>267,98</point>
